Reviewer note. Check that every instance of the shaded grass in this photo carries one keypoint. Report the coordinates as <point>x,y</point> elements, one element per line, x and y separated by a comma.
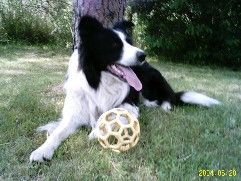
<point>173,146</point>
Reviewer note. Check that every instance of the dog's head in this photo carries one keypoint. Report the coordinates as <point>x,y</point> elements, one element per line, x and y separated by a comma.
<point>106,49</point>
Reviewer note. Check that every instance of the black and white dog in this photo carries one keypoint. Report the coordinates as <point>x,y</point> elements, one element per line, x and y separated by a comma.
<point>104,73</point>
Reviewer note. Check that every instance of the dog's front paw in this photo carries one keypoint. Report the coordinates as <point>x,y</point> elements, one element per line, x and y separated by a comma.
<point>41,154</point>
<point>94,134</point>
<point>166,106</point>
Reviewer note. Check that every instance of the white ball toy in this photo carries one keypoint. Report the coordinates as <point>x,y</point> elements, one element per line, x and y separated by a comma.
<point>118,130</point>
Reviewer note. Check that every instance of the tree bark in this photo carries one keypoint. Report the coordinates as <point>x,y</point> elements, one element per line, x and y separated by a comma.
<point>106,11</point>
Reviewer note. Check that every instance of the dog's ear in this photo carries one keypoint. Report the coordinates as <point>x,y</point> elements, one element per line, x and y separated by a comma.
<point>92,75</point>
<point>89,25</point>
<point>125,26</point>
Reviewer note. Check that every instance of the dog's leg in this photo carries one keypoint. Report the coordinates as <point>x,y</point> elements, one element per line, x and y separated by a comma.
<point>134,110</point>
<point>166,106</point>
<point>93,120</point>
<point>46,150</point>
<point>74,115</point>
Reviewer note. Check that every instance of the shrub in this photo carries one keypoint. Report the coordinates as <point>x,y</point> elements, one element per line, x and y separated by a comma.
<point>196,31</point>
<point>34,22</point>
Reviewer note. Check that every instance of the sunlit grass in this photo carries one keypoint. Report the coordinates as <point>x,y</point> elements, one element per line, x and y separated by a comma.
<point>173,146</point>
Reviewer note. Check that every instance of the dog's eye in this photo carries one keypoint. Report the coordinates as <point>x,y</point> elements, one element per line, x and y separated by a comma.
<point>114,45</point>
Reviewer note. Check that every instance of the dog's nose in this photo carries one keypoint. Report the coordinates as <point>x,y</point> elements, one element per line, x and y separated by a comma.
<point>141,56</point>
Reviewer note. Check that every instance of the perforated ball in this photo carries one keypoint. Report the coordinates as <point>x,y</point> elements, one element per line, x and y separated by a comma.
<point>118,130</point>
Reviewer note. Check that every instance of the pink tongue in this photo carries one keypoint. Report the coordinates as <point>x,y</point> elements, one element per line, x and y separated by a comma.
<point>130,77</point>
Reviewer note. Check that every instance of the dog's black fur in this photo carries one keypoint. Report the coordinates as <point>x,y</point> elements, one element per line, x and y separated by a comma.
<point>95,58</point>
<point>155,87</point>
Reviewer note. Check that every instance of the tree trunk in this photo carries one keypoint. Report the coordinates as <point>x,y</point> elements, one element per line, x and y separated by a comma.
<point>106,11</point>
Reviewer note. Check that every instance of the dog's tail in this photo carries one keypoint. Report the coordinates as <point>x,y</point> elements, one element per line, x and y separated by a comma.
<point>49,128</point>
<point>191,97</point>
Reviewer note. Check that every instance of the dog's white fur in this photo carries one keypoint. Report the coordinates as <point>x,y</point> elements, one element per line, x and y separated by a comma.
<point>129,52</point>
<point>83,106</point>
<point>192,97</point>
<point>148,103</point>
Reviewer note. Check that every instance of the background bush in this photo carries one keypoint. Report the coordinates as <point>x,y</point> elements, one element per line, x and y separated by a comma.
<point>203,32</point>
<point>35,21</point>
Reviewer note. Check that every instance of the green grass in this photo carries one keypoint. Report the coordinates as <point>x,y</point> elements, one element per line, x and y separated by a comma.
<point>173,146</point>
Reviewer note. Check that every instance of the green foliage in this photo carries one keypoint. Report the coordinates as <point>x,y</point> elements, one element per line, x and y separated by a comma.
<point>202,31</point>
<point>35,21</point>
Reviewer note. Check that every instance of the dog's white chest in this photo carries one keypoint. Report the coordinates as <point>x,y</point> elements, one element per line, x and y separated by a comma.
<point>110,93</point>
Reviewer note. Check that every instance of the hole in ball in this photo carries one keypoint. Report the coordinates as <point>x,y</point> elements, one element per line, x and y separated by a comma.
<point>123,133</point>
<point>124,119</point>
<point>112,140</point>
<point>135,125</point>
<point>103,129</point>
<point>115,127</point>
<point>111,116</point>
<point>130,131</point>
<point>126,139</point>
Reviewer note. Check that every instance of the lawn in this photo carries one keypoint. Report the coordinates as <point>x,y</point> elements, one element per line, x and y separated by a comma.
<point>173,146</point>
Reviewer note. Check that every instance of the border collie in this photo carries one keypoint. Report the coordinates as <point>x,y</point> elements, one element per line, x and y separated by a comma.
<point>107,72</point>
